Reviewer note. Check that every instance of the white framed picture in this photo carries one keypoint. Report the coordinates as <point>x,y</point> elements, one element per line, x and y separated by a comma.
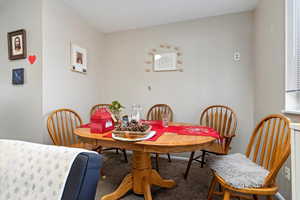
<point>165,61</point>
<point>78,58</point>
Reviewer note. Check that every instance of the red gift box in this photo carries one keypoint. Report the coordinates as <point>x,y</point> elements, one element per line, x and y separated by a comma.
<point>102,121</point>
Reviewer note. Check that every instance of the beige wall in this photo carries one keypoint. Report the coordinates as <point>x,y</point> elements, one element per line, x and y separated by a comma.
<point>269,67</point>
<point>210,75</point>
<point>116,69</point>
<point>21,106</point>
<point>61,87</point>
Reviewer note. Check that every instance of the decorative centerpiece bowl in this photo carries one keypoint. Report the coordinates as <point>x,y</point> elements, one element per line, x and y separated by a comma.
<point>133,130</point>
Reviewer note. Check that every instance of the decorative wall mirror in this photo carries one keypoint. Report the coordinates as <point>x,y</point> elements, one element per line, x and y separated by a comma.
<point>164,58</point>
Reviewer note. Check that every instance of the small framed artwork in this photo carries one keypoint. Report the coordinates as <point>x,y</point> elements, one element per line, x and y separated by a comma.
<point>17,48</point>
<point>165,61</point>
<point>78,58</point>
<point>18,76</point>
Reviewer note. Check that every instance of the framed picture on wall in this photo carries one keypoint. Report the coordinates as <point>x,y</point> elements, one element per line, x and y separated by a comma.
<point>18,76</point>
<point>78,58</point>
<point>17,48</point>
<point>165,61</point>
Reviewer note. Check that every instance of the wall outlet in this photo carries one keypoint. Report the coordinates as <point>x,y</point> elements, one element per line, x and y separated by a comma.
<point>287,173</point>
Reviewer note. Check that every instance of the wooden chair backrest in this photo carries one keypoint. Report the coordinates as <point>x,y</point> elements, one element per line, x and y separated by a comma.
<point>61,124</point>
<point>95,107</point>
<point>224,120</point>
<point>270,144</point>
<point>156,111</point>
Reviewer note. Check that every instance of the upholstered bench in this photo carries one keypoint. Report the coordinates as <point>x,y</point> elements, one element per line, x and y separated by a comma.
<point>83,178</point>
<point>36,171</point>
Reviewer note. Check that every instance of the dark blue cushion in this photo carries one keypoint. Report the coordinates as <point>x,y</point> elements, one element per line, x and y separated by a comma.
<point>83,177</point>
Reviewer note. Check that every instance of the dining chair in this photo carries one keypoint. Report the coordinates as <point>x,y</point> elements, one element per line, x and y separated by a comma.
<point>61,124</point>
<point>93,109</point>
<point>223,119</point>
<point>269,147</point>
<point>155,113</point>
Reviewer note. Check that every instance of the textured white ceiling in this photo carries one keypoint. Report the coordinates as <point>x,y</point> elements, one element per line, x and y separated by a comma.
<point>118,15</point>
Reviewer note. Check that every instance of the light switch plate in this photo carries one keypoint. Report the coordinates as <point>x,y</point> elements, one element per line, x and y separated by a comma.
<point>236,56</point>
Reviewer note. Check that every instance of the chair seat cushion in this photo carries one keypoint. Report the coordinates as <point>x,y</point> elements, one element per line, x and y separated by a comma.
<point>238,171</point>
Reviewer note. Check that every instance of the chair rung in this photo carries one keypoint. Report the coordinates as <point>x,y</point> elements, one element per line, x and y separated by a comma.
<point>196,158</point>
<point>200,161</point>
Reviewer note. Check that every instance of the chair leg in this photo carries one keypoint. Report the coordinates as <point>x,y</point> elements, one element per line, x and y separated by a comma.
<point>226,195</point>
<point>98,149</point>
<point>220,188</point>
<point>203,159</point>
<point>212,188</point>
<point>156,161</point>
<point>169,158</point>
<point>125,155</point>
<point>189,165</point>
<point>117,151</point>
<point>102,173</point>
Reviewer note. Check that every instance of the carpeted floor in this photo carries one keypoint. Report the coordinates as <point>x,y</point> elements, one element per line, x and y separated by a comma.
<point>195,188</point>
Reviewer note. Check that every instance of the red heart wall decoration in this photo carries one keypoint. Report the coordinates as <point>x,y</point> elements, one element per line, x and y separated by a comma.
<point>32,59</point>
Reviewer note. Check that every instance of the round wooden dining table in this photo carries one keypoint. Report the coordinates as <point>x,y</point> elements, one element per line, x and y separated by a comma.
<point>142,175</point>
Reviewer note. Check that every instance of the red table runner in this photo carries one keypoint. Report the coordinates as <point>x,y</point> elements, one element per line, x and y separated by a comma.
<point>180,130</point>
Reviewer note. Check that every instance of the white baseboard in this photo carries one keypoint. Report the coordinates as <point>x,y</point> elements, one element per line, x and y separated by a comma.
<point>279,196</point>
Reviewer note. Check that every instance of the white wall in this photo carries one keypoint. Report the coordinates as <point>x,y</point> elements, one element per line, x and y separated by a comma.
<point>61,87</point>
<point>21,106</point>
<point>270,67</point>
<point>269,57</point>
<point>210,75</point>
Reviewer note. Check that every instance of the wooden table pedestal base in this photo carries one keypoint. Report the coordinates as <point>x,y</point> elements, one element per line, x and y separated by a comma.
<point>140,179</point>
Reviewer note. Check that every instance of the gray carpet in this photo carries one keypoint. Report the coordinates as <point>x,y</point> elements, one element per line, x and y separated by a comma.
<point>195,188</point>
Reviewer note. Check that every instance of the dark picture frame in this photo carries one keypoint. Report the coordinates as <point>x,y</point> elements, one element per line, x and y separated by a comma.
<point>18,76</point>
<point>17,45</point>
